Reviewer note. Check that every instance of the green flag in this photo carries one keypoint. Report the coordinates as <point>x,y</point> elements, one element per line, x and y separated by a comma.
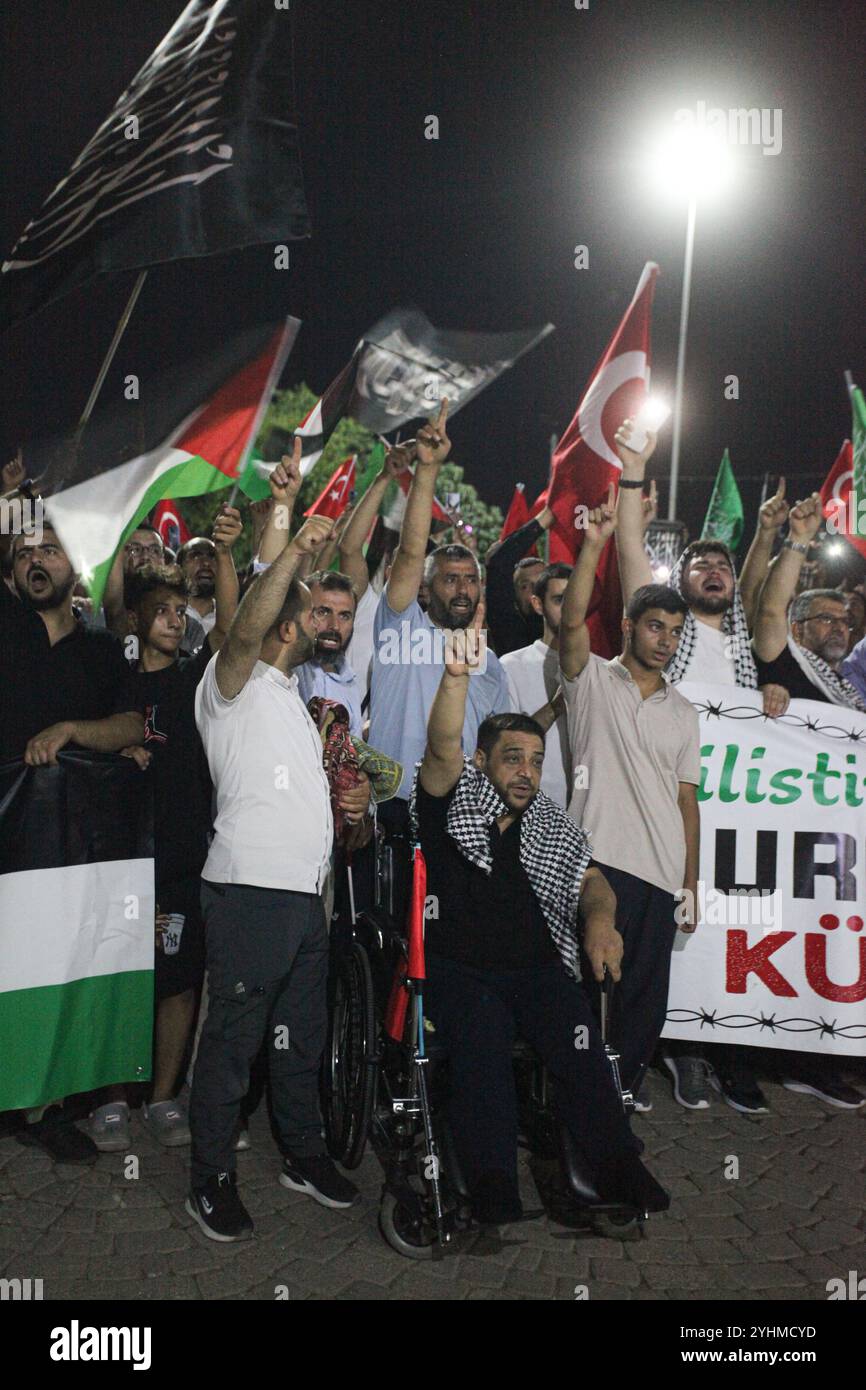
<point>858,444</point>
<point>724,518</point>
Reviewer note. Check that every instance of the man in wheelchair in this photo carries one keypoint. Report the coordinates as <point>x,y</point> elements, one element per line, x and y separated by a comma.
<point>512,876</point>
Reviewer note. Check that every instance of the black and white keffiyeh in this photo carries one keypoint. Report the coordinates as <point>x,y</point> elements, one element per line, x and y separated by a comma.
<point>734,626</point>
<point>837,689</point>
<point>554,851</point>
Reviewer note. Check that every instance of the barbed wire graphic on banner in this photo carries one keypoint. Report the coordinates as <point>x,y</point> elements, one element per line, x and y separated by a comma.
<point>854,1031</point>
<point>812,724</point>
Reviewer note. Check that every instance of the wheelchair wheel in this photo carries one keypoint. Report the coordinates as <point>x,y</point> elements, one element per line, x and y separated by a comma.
<point>407,1232</point>
<point>350,1059</point>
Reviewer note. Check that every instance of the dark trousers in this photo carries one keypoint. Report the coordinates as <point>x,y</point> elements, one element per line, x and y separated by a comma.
<point>477,1014</point>
<point>645,921</point>
<point>267,960</point>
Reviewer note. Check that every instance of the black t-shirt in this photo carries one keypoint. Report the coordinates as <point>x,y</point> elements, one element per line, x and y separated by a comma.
<point>83,676</point>
<point>785,671</point>
<point>493,922</point>
<point>181,785</point>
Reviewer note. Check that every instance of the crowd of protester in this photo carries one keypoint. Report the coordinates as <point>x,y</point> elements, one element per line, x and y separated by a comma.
<point>281,712</point>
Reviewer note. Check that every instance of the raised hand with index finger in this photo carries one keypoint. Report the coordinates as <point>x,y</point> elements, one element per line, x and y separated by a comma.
<point>601,522</point>
<point>774,512</point>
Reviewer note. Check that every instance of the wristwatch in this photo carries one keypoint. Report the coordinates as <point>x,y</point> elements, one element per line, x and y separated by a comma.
<point>800,548</point>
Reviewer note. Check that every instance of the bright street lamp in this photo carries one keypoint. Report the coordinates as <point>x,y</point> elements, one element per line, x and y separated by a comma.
<point>692,162</point>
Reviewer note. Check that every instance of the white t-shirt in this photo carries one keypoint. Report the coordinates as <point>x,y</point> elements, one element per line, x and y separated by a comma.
<point>533,677</point>
<point>273,826</point>
<point>710,662</point>
<point>360,649</point>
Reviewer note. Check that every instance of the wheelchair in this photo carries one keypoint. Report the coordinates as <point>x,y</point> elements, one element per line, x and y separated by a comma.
<point>385,1079</point>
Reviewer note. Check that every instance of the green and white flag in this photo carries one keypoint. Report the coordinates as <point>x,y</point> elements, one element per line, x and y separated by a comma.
<point>193,434</point>
<point>724,518</point>
<point>858,444</point>
<point>77,928</point>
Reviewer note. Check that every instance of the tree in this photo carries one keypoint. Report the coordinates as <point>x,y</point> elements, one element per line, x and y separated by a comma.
<point>284,414</point>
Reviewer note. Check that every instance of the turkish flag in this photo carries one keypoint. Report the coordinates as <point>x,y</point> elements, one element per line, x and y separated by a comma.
<point>836,498</point>
<point>171,526</point>
<point>585,459</point>
<point>333,500</point>
<point>518,512</point>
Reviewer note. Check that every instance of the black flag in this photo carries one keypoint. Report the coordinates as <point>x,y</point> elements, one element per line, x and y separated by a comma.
<point>199,155</point>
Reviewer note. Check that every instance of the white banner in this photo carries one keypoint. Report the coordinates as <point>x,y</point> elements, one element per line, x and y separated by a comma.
<point>779,957</point>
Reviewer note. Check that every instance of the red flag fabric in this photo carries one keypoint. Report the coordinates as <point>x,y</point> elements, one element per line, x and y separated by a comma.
<point>836,497</point>
<point>171,526</point>
<point>518,512</point>
<point>439,513</point>
<point>416,968</point>
<point>585,460</point>
<point>333,500</point>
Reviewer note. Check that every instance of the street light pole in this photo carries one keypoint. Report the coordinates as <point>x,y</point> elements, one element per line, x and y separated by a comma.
<point>681,357</point>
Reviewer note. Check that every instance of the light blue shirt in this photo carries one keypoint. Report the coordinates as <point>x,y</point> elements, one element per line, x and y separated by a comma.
<point>853,668</point>
<point>407,669</point>
<point>341,686</point>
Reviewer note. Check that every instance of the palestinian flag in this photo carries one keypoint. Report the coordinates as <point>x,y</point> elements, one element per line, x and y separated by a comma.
<point>77,939</point>
<point>724,519</point>
<point>199,429</point>
<point>319,424</point>
<point>333,500</point>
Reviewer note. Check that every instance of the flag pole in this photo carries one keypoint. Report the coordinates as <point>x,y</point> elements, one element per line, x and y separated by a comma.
<point>109,356</point>
<point>765,489</point>
<point>681,359</point>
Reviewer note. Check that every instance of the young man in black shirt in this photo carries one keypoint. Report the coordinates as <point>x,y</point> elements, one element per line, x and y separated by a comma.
<point>509,868</point>
<point>63,684</point>
<point>157,598</point>
<point>511,618</point>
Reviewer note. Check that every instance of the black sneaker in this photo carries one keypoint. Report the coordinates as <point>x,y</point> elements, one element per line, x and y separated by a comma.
<point>57,1135</point>
<point>825,1087</point>
<point>741,1092</point>
<point>318,1177</point>
<point>219,1210</point>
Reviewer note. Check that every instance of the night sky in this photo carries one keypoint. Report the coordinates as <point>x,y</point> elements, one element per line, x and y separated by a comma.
<point>543,109</point>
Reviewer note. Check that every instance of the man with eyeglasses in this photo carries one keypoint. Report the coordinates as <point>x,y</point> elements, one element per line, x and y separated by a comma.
<point>64,684</point>
<point>328,672</point>
<point>803,647</point>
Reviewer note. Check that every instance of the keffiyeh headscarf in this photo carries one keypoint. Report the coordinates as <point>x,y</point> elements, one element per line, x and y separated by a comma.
<point>837,689</point>
<point>734,626</point>
<point>554,851</point>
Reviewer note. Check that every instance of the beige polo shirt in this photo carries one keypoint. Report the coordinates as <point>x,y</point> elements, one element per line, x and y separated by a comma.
<point>635,752</point>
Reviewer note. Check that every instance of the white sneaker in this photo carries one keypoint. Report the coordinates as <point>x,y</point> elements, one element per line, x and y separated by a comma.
<point>167,1122</point>
<point>108,1127</point>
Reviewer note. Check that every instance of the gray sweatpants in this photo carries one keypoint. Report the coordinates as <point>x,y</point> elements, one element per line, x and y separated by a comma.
<point>267,962</point>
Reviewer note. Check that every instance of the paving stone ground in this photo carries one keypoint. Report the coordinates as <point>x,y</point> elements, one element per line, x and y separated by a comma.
<point>793,1219</point>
